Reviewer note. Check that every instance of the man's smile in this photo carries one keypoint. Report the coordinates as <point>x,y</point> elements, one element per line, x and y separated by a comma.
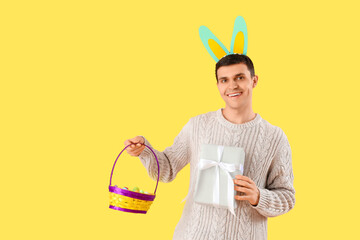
<point>234,95</point>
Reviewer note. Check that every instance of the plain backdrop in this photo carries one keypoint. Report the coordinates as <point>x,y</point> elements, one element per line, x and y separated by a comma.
<point>78,78</point>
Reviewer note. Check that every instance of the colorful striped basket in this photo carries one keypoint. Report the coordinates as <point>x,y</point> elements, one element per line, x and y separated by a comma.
<point>129,201</point>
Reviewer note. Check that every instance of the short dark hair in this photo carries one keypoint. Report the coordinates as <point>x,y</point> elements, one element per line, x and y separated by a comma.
<point>235,59</point>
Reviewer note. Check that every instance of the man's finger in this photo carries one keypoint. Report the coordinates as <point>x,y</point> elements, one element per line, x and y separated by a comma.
<point>138,151</point>
<point>242,183</point>
<point>133,147</point>
<point>242,189</point>
<point>244,178</point>
<point>138,139</point>
<point>129,141</point>
<point>135,140</point>
<point>136,146</point>
<point>245,197</point>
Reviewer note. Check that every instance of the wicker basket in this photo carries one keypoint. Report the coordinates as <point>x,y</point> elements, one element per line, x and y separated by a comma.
<point>129,201</point>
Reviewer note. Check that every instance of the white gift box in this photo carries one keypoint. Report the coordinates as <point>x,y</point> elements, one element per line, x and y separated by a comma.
<point>217,167</point>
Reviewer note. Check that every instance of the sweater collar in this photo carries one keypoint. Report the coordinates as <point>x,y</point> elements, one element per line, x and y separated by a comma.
<point>226,123</point>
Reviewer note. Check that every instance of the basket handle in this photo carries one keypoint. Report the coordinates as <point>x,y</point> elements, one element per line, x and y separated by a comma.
<point>157,161</point>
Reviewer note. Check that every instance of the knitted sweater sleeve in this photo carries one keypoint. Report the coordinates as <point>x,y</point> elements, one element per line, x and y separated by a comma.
<point>279,195</point>
<point>172,159</point>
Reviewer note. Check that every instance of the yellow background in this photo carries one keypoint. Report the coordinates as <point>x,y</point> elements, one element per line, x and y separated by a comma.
<point>78,78</point>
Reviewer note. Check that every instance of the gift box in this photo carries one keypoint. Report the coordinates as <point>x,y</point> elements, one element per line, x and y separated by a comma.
<point>217,167</point>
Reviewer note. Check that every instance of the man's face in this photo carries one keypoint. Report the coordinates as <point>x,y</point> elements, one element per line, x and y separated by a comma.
<point>235,85</point>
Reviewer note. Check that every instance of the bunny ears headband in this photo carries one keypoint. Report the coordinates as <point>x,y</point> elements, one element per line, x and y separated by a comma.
<point>216,49</point>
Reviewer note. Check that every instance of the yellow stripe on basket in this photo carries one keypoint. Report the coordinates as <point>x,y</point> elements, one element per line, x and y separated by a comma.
<point>216,48</point>
<point>118,200</point>
<point>239,43</point>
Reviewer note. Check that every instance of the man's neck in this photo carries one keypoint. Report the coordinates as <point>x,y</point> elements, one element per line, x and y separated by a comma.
<point>238,116</point>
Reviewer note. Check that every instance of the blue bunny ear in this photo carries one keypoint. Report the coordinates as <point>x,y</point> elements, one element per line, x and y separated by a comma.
<point>213,45</point>
<point>239,40</point>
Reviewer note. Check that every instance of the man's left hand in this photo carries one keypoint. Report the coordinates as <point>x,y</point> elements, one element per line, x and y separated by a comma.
<point>247,186</point>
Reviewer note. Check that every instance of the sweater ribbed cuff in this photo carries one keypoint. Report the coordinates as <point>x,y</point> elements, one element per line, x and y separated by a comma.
<point>263,200</point>
<point>146,154</point>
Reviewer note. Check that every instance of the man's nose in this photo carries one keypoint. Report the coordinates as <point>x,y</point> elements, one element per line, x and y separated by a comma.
<point>233,84</point>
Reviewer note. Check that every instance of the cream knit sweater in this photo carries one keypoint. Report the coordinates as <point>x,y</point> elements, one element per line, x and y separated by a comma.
<point>267,163</point>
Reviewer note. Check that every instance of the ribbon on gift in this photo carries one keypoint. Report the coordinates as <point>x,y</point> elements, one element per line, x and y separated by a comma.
<point>227,168</point>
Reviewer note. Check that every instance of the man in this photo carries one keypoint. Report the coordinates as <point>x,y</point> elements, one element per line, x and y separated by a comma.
<point>266,188</point>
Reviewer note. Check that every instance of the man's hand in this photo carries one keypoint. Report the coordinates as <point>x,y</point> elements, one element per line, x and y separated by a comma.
<point>136,147</point>
<point>247,186</point>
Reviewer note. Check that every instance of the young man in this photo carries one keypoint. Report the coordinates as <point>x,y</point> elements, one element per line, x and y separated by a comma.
<point>266,187</point>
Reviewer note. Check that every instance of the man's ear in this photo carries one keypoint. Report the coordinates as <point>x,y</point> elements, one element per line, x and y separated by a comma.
<point>255,80</point>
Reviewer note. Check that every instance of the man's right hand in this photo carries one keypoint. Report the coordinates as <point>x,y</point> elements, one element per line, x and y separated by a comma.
<point>136,147</point>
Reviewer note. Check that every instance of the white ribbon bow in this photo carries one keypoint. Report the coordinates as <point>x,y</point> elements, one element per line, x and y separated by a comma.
<point>227,168</point>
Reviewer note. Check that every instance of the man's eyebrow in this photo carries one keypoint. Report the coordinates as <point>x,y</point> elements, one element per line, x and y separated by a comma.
<point>238,74</point>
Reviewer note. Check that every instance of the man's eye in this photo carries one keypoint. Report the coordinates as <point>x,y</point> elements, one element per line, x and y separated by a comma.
<point>224,80</point>
<point>240,77</point>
